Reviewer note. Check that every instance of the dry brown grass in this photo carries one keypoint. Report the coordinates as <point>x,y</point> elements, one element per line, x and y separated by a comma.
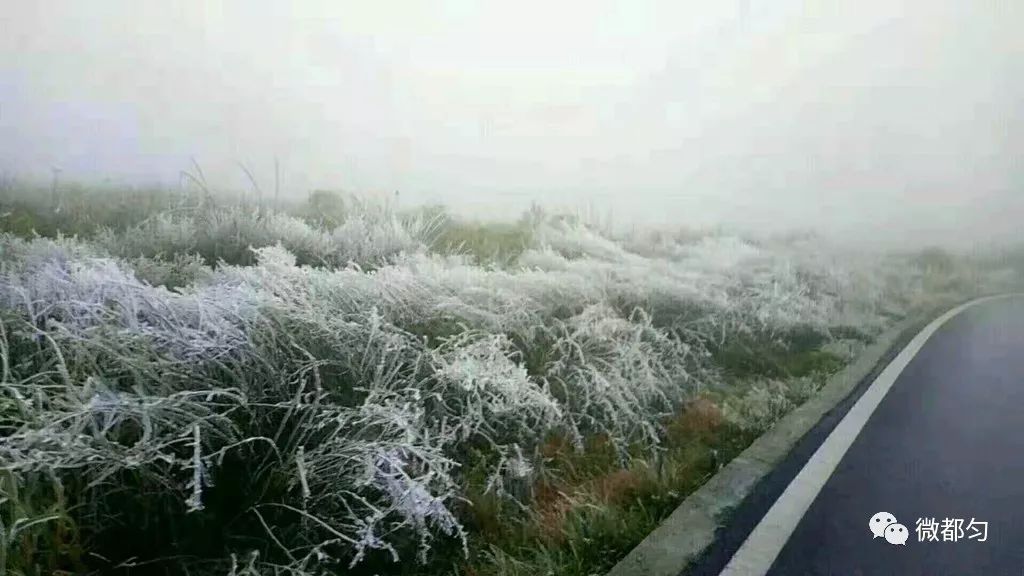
<point>552,505</point>
<point>699,420</point>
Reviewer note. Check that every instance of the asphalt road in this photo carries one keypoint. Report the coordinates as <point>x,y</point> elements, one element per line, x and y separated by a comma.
<point>945,442</point>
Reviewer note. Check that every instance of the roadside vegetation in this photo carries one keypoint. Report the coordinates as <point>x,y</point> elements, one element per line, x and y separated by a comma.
<point>196,385</point>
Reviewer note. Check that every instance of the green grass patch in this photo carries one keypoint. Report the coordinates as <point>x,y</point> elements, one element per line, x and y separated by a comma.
<point>490,243</point>
<point>744,357</point>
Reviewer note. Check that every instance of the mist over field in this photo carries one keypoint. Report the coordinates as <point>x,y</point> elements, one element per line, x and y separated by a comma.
<point>460,288</point>
<point>895,122</point>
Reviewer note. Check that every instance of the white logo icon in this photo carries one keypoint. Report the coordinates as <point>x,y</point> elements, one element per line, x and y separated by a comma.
<point>896,534</point>
<point>879,522</point>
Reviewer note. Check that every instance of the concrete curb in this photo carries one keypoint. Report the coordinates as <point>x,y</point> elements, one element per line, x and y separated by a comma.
<point>690,529</point>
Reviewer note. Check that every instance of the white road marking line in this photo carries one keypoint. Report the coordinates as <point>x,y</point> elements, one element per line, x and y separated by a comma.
<point>763,545</point>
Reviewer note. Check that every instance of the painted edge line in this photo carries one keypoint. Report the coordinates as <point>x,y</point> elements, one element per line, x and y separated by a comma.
<point>757,553</point>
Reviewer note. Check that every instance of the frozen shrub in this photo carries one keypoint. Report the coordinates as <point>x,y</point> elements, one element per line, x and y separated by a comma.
<point>368,237</point>
<point>79,296</point>
<point>483,393</point>
<point>175,272</point>
<point>374,474</point>
<point>618,376</point>
<point>164,234</point>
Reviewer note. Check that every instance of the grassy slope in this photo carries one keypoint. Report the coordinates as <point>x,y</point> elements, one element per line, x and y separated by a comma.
<point>582,505</point>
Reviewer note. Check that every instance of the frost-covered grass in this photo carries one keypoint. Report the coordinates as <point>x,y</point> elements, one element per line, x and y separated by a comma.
<point>343,387</point>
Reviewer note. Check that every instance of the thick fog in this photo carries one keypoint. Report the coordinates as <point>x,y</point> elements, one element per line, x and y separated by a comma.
<point>894,120</point>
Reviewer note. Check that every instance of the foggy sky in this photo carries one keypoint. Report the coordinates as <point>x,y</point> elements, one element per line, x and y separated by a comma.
<point>877,119</point>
